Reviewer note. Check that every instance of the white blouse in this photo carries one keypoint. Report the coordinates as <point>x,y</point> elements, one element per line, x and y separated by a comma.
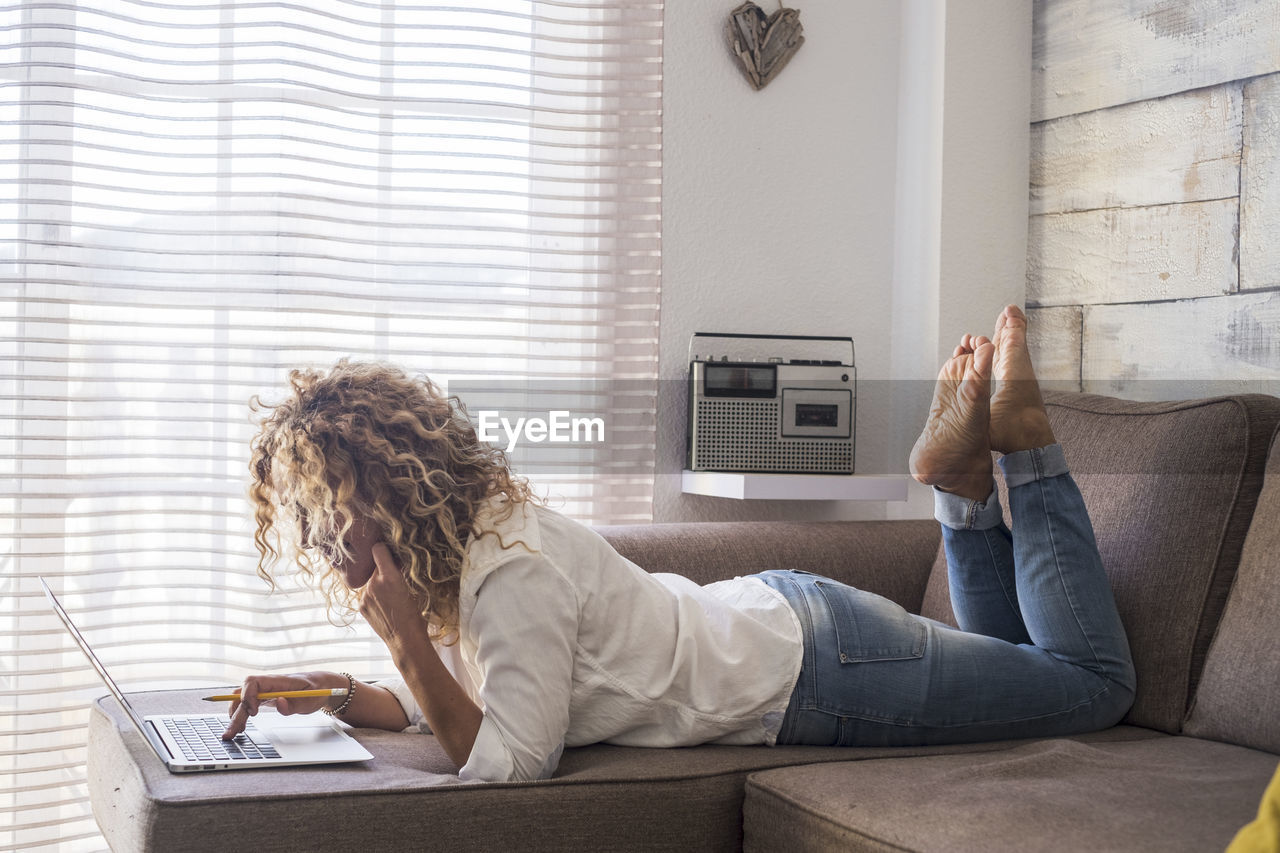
<point>564,642</point>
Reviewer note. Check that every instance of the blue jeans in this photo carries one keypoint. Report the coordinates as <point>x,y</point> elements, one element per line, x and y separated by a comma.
<point>1041,651</point>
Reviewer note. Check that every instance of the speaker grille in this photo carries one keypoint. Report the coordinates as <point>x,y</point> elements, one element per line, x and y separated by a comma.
<point>732,435</point>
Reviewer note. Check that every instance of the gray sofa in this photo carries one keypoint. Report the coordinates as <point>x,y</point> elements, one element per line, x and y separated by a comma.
<point>1185,499</point>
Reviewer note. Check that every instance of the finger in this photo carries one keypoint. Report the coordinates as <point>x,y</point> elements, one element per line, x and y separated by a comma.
<point>237,723</point>
<point>388,576</point>
<point>249,695</point>
<point>383,560</point>
<point>386,580</point>
<point>242,710</point>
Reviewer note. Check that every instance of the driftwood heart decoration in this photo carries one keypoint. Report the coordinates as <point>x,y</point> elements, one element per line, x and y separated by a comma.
<point>763,44</point>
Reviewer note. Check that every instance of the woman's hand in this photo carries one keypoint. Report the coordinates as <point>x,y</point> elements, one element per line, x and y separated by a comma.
<point>248,703</point>
<point>389,607</point>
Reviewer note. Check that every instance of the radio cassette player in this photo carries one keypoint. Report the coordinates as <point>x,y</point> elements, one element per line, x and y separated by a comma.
<point>771,415</point>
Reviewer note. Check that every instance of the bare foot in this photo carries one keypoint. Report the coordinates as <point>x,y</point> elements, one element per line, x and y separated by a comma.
<point>1018,419</point>
<point>953,452</point>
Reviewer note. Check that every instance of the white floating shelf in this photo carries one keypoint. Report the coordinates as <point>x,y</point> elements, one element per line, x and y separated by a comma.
<point>794,487</point>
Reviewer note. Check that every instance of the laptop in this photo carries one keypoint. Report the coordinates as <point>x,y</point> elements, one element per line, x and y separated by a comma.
<point>192,742</point>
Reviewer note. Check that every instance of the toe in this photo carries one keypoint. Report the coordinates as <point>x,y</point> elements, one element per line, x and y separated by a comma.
<point>983,356</point>
<point>977,374</point>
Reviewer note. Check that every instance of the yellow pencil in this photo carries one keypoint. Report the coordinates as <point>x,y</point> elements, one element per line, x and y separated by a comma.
<point>282,694</point>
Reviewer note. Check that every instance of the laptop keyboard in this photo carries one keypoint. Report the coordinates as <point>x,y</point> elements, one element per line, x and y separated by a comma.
<point>200,739</point>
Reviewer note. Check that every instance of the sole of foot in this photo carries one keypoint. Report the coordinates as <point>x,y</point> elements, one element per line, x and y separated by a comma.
<point>953,451</point>
<point>1018,418</point>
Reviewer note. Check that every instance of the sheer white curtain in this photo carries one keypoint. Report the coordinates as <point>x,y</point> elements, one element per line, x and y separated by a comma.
<point>195,197</point>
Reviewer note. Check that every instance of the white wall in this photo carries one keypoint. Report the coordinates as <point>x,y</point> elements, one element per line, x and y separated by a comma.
<point>962,191</point>
<point>828,204</point>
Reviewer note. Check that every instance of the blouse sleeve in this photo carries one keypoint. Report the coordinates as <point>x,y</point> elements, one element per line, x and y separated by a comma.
<point>397,688</point>
<point>451,656</point>
<point>525,628</point>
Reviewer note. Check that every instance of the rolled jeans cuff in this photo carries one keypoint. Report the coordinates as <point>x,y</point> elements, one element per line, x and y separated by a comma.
<point>1027,466</point>
<point>965,513</point>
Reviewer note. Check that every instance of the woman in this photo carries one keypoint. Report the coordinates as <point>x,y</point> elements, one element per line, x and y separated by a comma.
<point>518,632</point>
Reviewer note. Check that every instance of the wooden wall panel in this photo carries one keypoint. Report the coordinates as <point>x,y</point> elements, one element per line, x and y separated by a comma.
<point>1139,254</point>
<point>1155,194</point>
<point>1181,148</point>
<point>1053,335</point>
<point>1188,349</point>
<point>1091,54</point>
<point>1260,186</point>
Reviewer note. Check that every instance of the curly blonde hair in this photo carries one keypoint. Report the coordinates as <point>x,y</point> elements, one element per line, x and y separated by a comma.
<point>366,441</point>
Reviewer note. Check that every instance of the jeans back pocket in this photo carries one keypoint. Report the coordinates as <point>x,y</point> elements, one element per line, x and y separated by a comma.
<point>870,627</point>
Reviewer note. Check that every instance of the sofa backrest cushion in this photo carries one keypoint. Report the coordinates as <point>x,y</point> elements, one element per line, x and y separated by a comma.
<point>1171,489</point>
<point>890,558</point>
<point>1238,698</point>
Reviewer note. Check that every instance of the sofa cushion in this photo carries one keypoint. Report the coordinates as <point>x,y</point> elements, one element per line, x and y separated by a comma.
<point>1168,794</point>
<point>1238,699</point>
<point>891,558</point>
<point>1171,489</point>
<point>407,798</point>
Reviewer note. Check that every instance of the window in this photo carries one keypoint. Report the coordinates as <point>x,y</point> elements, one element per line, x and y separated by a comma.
<point>196,197</point>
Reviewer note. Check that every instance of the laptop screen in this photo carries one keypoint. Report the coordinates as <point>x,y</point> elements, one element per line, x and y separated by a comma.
<point>93,659</point>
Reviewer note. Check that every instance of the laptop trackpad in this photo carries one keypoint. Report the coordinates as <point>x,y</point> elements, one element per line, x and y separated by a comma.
<point>301,737</point>
<point>299,741</point>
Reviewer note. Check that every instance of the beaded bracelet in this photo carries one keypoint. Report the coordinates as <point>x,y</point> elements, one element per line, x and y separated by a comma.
<point>346,703</point>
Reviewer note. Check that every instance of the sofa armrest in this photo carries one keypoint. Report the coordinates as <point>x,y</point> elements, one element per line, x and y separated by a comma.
<point>892,558</point>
